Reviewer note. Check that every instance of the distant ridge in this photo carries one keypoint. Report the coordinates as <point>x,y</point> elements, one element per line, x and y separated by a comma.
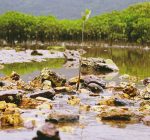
<point>64,8</point>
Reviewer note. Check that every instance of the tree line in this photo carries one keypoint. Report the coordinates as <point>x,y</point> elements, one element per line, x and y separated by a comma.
<point>129,25</point>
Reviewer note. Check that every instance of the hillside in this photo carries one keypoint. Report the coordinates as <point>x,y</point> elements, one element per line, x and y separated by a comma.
<point>64,8</point>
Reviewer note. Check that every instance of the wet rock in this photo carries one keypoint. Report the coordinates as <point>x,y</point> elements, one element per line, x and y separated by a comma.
<point>131,91</point>
<point>95,87</point>
<point>113,102</point>
<point>44,93</point>
<point>72,55</point>
<point>98,65</point>
<point>92,79</point>
<point>55,78</point>
<point>73,100</point>
<point>2,84</point>
<point>15,76</point>
<point>47,132</point>
<point>74,80</point>
<point>146,120</point>
<point>10,117</point>
<point>46,85</point>
<point>145,93</point>
<point>84,107</point>
<point>35,52</point>
<point>63,116</point>
<point>11,96</point>
<point>146,81</point>
<point>64,89</point>
<point>29,103</point>
<point>45,105</point>
<point>116,113</point>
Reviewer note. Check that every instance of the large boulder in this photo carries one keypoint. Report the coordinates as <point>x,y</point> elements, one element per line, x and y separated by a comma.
<point>146,81</point>
<point>55,78</point>
<point>98,65</point>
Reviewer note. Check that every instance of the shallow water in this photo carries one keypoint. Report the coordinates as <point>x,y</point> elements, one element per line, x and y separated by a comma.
<point>130,61</point>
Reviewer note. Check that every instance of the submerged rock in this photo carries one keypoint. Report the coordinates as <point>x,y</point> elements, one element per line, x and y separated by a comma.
<point>95,87</point>
<point>11,96</point>
<point>55,78</point>
<point>73,100</point>
<point>63,116</point>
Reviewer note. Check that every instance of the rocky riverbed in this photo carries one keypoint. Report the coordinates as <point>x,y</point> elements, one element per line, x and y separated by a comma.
<point>49,107</point>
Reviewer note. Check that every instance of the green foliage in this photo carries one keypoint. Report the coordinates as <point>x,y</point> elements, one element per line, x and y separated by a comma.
<point>129,25</point>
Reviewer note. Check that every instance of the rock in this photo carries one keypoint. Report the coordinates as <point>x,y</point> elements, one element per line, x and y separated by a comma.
<point>55,78</point>
<point>47,132</point>
<point>116,113</point>
<point>145,93</point>
<point>11,96</point>
<point>131,91</point>
<point>2,84</point>
<point>74,80</point>
<point>73,100</point>
<point>146,81</point>
<point>94,79</point>
<point>63,116</point>
<point>45,105</point>
<point>1,66</point>
<point>84,107</point>
<point>46,85</point>
<point>43,93</point>
<point>72,55</point>
<point>15,76</point>
<point>11,117</point>
<point>29,123</point>
<point>97,65</point>
<point>35,52</point>
<point>64,89</point>
<point>146,120</point>
<point>112,102</point>
<point>95,87</point>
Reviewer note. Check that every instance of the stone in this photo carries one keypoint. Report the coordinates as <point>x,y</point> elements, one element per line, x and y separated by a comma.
<point>43,93</point>
<point>11,117</point>
<point>2,84</point>
<point>73,100</point>
<point>72,55</point>
<point>146,120</point>
<point>64,89</point>
<point>47,132</point>
<point>46,85</point>
<point>98,65</point>
<point>94,79</point>
<point>95,88</point>
<point>116,113</point>
<point>146,81</point>
<point>11,96</point>
<point>112,102</point>
<point>131,90</point>
<point>56,79</point>
<point>63,116</point>
<point>74,80</point>
<point>15,76</point>
<point>35,52</point>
